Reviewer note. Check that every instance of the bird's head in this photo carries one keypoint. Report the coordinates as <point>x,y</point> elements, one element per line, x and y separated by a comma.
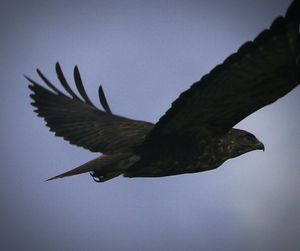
<point>241,142</point>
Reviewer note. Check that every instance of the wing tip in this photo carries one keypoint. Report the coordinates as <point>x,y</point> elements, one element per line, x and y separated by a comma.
<point>293,11</point>
<point>103,100</point>
<point>57,65</point>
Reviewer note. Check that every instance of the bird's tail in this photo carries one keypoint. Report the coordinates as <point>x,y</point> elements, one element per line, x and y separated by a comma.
<point>104,167</point>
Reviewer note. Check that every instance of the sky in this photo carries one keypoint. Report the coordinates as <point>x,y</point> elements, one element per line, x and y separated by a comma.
<point>144,53</point>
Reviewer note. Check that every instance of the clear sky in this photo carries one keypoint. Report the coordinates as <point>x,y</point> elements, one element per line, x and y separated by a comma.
<point>144,53</point>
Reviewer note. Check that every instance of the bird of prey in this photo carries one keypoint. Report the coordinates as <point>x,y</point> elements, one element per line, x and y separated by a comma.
<point>196,134</point>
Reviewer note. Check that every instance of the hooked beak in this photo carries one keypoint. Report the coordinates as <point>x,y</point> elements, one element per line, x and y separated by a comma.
<point>261,146</point>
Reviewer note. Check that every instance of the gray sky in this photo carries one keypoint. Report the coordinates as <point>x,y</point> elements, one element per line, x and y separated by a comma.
<point>145,53</point>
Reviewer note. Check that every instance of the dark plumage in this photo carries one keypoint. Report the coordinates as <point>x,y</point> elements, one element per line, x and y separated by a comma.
<point>196,134</point>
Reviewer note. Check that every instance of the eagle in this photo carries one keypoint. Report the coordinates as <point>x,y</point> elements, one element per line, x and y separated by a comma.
<point>196,134</point>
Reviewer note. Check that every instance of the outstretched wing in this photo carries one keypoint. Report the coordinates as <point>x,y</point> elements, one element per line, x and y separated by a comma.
<point>257,75</point>
<point>79,121</point>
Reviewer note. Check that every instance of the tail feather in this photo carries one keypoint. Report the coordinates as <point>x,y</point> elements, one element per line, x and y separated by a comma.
<point>104,167</point>
<point>87,167</point>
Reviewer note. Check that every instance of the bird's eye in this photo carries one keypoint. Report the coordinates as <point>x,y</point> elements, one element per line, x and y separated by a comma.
<point>250,137</point>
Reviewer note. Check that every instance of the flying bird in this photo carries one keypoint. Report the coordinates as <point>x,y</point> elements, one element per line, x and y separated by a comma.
<point>196,134</point>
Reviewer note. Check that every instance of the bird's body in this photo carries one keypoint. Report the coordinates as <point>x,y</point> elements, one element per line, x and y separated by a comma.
<point>196,134</point>
<point>192,154</point>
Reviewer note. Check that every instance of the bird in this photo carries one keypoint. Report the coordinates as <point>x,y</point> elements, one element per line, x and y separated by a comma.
<point>197,132</point>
